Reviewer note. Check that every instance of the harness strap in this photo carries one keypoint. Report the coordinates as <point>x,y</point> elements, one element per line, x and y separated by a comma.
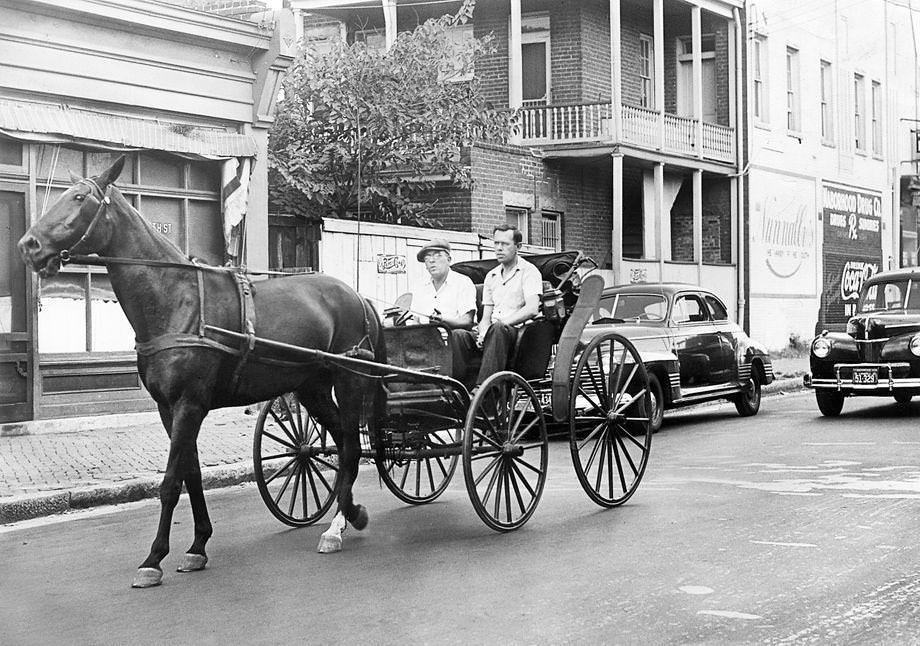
<point>200,303</point>
<point>178,340</point>
<point>247,327</point>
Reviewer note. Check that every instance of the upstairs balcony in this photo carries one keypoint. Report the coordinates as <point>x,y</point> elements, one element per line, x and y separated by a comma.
<point>593,123</point>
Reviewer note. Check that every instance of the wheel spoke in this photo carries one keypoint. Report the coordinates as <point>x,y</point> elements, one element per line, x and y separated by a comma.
<point>594,404</point>
<point>512,475</point>
<point>281,470</point>
<point>480,456</point>
<point>500,471</point>
<point>495,474</point>
<point>613,449</point>
<point>275,456</point>
<point>309,475</point>
<point>303,495</point>
<point>418,476</point>
<point>600,463</point>
<point>539,472</point>
<point>294,489</point>
<point>626,454</point>
<point>600,367</point>
<point>600,440</point>
<point>489,468</point>
<point>334,467</point>
<point>320,475</point>
<point>523,480</point>
<point>592,434</point>
<point>279,440</point>
<point>287,481</point>
<point>507,493</point>
<point>430,474</point>
<point>616,388</point>
<point>634,398</point>
<point>629,379</point>
<point>488,439</point>
<point>282,425</point>
<point>632,439</point>
<point>518,436</point>
<point>292,419</point>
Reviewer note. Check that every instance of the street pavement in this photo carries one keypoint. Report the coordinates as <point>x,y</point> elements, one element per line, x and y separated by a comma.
<point>54,466</point>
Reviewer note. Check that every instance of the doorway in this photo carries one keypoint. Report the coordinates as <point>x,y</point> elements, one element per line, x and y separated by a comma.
<point>16,361</point>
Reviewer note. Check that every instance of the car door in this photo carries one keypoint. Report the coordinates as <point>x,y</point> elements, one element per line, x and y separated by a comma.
<point>696,342</point>
<point>727,366</point>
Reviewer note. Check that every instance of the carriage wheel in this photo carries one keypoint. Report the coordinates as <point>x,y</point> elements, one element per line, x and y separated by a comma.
<point>610,419</point>
<point>415,479</point>
<point>505,451</point>
<point>295,461</point>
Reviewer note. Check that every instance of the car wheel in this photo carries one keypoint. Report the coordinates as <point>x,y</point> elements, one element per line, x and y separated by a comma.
<point>748,402</point>
<point>657,397</point>
<point>903,398</point>
<point>830,402</point>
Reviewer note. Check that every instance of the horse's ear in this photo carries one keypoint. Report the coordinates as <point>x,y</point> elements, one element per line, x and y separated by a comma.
<point>110,174</point>
<point>74,178</point>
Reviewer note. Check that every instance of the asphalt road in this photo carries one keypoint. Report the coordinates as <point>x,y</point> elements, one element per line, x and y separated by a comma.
<point>783,528</point>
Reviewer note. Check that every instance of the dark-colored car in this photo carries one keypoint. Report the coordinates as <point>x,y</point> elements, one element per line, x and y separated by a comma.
<point>879,354</point>
<point>692,351</point>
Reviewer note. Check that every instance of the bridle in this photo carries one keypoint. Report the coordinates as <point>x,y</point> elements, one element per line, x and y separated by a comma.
<point>66,255</point>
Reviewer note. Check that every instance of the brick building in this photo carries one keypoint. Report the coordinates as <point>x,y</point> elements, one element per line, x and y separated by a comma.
<point>627,142</point>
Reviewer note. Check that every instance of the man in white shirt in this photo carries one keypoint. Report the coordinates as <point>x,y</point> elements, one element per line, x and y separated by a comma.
<point>447,297</point>
<point>510,298</point>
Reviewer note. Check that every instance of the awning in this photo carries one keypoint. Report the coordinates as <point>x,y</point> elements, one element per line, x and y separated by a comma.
<point>64,124</point>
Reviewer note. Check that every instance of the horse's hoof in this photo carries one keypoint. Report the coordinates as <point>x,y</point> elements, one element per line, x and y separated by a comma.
<point>359,521</point>
<point>147,577</point>
<point>192,562</point>
<point>329,544</point>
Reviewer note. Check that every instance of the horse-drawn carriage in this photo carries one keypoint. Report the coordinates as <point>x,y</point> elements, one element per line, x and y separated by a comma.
<point>208,337</point>
<point>431,421</point>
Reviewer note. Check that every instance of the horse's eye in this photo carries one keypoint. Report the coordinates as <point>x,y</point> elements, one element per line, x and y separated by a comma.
<point>79,197</point>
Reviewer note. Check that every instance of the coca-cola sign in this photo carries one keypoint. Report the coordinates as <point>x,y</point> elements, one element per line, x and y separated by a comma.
<point>854,274</point>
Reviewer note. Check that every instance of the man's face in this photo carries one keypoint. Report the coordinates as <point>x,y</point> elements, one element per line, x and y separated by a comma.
<point>437,263</point>
<point>505,248</point>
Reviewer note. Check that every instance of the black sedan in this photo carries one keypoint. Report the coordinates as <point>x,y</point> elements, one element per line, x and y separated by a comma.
<point>692,350</point>
<point>879,354</point>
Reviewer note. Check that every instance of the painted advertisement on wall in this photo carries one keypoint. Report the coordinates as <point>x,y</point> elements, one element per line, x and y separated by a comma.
<point>852,248</point>
<point>782,233</point>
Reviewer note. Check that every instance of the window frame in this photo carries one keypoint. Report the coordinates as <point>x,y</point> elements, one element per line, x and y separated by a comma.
<point>556,218</point>
<point>760,75</point>
<point>826,72</point>
<point>859,114</point>
<point>876,119</point>
<point>522,217</point>
<point>703,308</point>
<point>793,91</point>
<point>646,58</point>
<point>538,24</point>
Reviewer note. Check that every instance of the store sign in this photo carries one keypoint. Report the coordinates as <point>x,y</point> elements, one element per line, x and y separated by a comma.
<point>391,264</point>
<point>852,248</point>
<point>782,225</point>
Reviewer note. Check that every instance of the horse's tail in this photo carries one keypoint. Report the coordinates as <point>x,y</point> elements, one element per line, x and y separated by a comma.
<point>377,408</point>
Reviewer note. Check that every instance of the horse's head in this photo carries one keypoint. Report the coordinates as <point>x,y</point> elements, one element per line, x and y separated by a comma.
<point>76,219</point>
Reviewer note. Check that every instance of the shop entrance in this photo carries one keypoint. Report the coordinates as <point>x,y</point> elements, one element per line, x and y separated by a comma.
<point>16,369</point>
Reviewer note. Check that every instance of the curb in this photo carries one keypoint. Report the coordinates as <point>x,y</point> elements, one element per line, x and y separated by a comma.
<point>26,506</point>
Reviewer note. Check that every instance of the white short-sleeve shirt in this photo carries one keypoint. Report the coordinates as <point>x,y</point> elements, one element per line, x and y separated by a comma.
<point>456,297</point>
<point>506,294</point>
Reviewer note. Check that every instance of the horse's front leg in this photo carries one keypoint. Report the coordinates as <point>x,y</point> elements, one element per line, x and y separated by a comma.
<point>182,465</point>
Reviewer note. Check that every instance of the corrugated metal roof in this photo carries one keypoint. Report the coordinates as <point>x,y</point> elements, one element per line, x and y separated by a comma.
<point>21,118</point>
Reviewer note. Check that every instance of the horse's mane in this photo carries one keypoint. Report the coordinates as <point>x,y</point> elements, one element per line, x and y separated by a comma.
<point>118,198</point>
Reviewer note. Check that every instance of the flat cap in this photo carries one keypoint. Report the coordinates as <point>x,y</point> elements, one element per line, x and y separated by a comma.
<point>437,244</point>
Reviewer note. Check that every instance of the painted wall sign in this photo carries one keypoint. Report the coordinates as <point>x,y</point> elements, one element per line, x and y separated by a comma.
<point>782,226</point>
<point>391,264</point>
<point>852,248</point>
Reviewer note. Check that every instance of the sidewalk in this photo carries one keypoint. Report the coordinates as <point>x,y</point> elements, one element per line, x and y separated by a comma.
<point>52,466</point>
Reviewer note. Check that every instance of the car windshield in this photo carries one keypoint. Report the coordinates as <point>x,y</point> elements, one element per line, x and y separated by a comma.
<point>631,307</point>
<point>903,294</point>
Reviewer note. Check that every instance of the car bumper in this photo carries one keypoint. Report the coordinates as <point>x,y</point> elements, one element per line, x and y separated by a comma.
<point>891,377</point>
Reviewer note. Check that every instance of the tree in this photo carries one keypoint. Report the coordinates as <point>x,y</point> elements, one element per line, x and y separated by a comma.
<point>389,120</point>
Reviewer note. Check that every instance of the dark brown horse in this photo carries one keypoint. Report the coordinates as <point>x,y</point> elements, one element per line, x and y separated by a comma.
<point>168,300</point>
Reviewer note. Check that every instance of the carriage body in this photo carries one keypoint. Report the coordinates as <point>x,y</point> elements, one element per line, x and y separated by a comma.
<point>431,422</point>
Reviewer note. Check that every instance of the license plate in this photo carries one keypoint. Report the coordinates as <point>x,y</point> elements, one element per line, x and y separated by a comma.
<point>865,376</point>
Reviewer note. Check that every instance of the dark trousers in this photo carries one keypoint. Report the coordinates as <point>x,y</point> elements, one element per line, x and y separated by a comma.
<point>496,351</point>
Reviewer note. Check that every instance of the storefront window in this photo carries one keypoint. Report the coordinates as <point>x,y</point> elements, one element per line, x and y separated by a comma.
<point>10,152</point>
<point>78,311</point>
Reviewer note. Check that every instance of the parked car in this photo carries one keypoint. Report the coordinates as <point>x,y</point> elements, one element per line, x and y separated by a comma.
<point>692,350</point>
<point>879,354</point>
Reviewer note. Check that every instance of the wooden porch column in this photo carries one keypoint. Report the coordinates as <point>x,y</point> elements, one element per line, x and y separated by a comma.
<point>516,73</point>
<point>389,21</point>
<point>616,247</point>
<point>696,23</point>
<point>616,66</point>
<point>660,218</point>
<point>698,224</point>
<point>658,36</point>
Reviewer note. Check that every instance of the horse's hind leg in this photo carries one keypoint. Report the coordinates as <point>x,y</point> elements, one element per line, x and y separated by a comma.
<point>343,427</point>
<point>186,421</point>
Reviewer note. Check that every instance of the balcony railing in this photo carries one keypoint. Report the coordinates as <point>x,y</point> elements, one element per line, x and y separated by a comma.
<point>593,122</point>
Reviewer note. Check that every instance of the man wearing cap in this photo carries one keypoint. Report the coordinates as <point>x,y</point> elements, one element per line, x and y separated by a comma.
<point>510,298</point>
<point>447,297</point>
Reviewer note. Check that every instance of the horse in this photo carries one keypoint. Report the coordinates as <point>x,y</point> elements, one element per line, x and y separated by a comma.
<point>169,301</point>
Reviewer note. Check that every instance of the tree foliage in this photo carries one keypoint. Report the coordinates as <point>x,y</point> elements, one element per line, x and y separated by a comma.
<point>394,120</point>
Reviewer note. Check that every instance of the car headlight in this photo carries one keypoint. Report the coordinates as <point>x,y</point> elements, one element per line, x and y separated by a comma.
<point>822,347</point>
<point>915,345</point>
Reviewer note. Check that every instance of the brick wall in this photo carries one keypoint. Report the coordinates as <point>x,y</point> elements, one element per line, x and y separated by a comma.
<point>449,205</point>
<point>717,233</point>
<point>682,223</point>
<point>241,9</point>
<point>581,192</point>
<point>565,55</point>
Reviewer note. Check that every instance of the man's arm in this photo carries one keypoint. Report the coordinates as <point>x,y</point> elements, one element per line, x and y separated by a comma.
<point>530,309</point>
<point>485,322</point>
<point>464,321</point>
